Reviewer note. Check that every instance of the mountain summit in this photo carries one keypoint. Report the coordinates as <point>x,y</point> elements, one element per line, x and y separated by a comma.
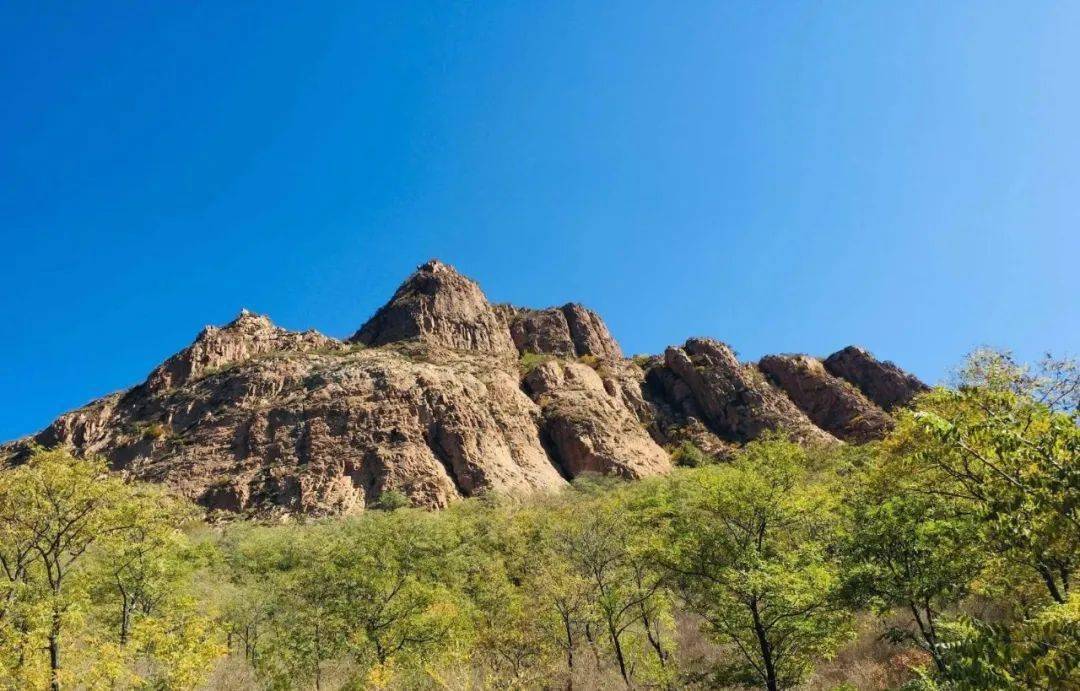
<point>442,395</point>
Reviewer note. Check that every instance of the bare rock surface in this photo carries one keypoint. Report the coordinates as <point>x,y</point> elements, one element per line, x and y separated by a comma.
<point>676,415</point>
<point>590,429</point>
<point>324,433</point>
<point>882,382</point>
<point>831,403</point>
<point>568,331</point>
<point>438,305</point>
<point>245,337</point>
<point>734,399</point>
<point>427,399</point>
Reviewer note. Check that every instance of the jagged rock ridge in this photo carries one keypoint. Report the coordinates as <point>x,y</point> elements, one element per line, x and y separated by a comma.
<point>440,306</point>
<point>831,403</point>
<point>568,331</point>
<point>427,399</point>
<point>883,382</point>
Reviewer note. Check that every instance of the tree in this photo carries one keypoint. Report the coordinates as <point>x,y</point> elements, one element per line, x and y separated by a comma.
<point>72,533</point>
<point>749,545</point>
<point>914,551</point>
<point>1039,652</point>
<point>387,578</point>
<point>599,543</point>
<point>1000,446</point>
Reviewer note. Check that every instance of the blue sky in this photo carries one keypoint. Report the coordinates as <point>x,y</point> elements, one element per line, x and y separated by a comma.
<point>791,176</point>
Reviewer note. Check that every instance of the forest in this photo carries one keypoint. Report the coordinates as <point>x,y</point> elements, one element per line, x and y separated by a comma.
<point>944,557</point>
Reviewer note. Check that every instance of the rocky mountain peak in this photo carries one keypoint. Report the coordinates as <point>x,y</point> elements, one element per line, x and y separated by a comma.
<point>254,418</point>
<point>882,382</point>
<point>438,305</point>
<point>244,337</point>
<point>568,331</point>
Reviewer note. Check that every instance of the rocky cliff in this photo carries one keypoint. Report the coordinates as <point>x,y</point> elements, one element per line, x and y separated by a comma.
<point>442,395</point>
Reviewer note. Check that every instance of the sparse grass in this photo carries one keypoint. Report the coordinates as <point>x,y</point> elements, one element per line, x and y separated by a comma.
<point>530,361</point>
<point>590,360</point>
<point>155,430</point>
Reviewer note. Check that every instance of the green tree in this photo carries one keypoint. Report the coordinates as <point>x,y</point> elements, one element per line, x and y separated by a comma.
<point>600,543</point>
<point>1000,447</point>
<point>72,535</point>
<point>914,551</point>
<point>1039,652</point>
<point>749,544</point>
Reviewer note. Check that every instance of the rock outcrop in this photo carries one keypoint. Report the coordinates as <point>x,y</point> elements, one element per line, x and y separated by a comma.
<point>734,399</point>
<point>438,305</point>
<point>882,382</point>
<point>588,428</point>
<point>831,403</point>
<point>427,399</point>
<point>247,336</point>
<point>326,432</point>
<point>676,416</point>
<point>568,331</point>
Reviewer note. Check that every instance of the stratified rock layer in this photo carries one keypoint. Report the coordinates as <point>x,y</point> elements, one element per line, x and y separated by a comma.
<point>883,382</point>
<point>830,402</point>
<point>590,429</point>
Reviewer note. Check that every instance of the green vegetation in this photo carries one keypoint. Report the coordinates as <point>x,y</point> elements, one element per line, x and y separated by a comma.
<point>530,361</point>
<point>96,586</point>
<point>590,360</point>
<point>688,455</point>
<point>944,557</point>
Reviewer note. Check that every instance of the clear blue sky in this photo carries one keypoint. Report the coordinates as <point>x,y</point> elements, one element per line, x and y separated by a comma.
<point>785,176</point>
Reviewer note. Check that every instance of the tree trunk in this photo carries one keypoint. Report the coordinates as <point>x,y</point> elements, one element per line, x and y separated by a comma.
<point>654,640</point>
<point>569,653</point>
<point>929,636</point>
<point>619,656</point>
<point>1051,584</point>
<point>125,622</point>
<point>54,650</point>
<point>766,649</point>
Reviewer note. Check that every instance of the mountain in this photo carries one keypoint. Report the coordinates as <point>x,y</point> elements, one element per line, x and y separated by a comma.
<point>442,395</point>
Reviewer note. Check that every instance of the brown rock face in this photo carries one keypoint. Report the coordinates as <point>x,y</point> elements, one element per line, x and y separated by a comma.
<point>676,415</point>
<point>326,432</point>
<point>590,429</point>
<point>882,382</point>
<point>568,331</point>
<point>247,336</point>
<point>830,402</point>
<point>440,306</point>
<point>734,399</point>
<point>427,400</point>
